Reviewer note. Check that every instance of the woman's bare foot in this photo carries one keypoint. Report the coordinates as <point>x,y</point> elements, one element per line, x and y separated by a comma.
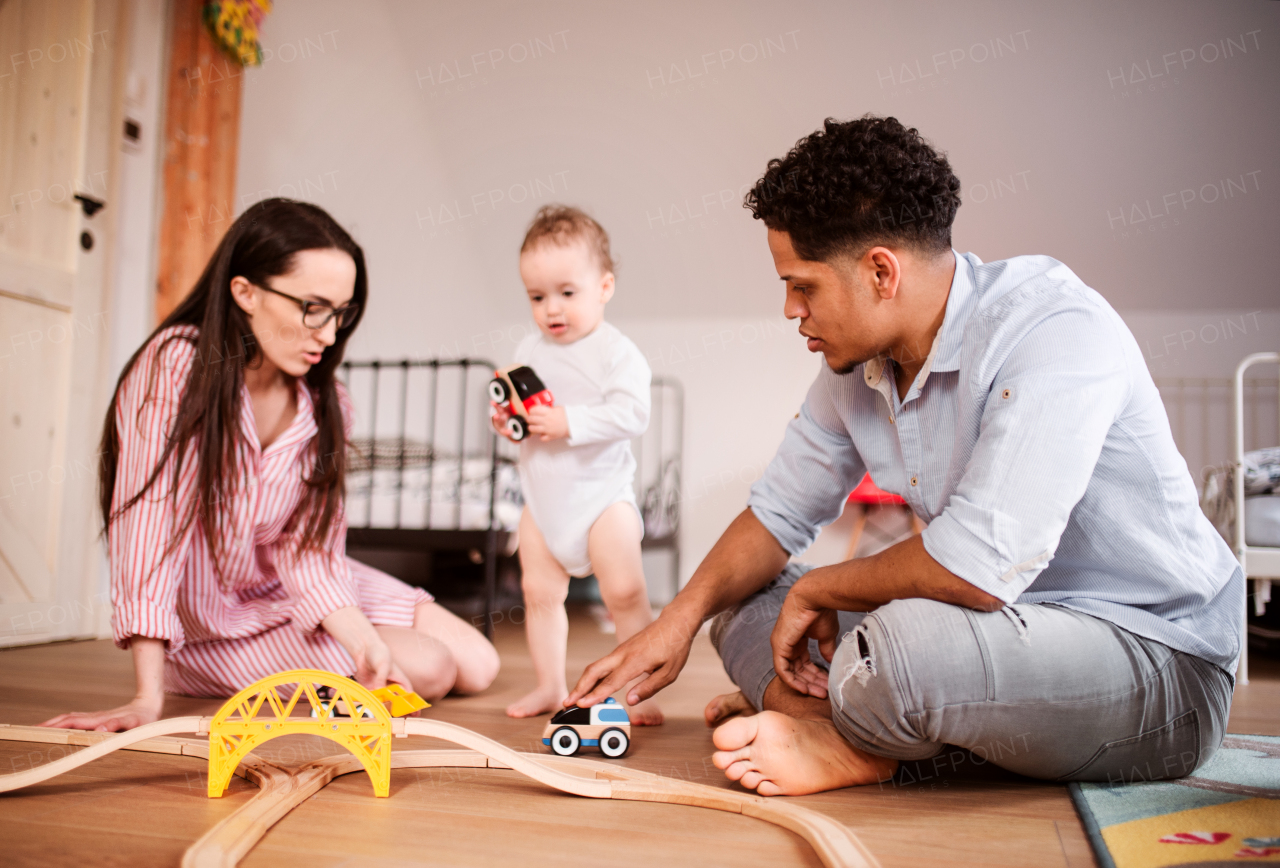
<point>725,706</point>
<point>646,713</point>
<point>540,701</point>
<point>776,755</point>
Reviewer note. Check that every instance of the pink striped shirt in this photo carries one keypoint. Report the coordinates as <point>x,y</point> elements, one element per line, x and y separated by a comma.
<point>177,594</point>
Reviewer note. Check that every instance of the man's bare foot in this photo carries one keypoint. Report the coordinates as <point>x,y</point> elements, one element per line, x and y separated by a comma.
<point>646,713</point>
<point>540,701</point>
<point>725,706</point>
<point>776,755</point>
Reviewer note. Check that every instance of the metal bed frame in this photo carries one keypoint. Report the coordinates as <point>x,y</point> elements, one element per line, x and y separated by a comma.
<point>427,538</point>
<point>1214,420</point>
<point>1260,563</point>
<point>383,443</point>
<point>662,448</point>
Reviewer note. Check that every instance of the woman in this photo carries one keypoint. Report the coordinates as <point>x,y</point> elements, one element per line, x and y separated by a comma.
<point>222,488</point>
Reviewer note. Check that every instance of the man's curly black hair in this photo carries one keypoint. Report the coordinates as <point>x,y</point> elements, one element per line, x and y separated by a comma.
<point>854,184</point>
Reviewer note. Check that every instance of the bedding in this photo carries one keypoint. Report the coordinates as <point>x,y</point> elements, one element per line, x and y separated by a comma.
<point>1262,498</point>
<point>436,490</point>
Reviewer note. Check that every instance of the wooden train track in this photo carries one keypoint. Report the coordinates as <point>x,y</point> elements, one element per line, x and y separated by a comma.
<point>281,789</point>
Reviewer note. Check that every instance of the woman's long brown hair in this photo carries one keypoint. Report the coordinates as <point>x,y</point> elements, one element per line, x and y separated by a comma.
<point>262,243</point>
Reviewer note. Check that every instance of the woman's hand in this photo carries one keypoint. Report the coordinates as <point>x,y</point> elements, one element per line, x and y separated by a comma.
<point>374,666</point>
<point>134,714</point>
<point>799,621</point>
<point>148,701</point>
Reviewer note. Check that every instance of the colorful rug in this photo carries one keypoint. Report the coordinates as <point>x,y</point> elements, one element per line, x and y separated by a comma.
<point>1227,813</point>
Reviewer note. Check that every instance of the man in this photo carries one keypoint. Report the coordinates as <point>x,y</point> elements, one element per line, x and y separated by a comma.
<point>1068,611</point>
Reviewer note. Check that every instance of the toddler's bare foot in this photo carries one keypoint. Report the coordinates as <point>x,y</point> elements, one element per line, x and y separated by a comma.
<point>540,701</point>
<point>776,755</point>
<point>725,706</point>
<point>646,713</point>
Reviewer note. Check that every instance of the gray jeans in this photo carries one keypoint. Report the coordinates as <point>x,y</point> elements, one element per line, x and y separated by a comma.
<point>1038,689</point>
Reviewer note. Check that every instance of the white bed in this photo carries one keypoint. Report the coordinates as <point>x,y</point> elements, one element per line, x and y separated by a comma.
<point>1244,486</point>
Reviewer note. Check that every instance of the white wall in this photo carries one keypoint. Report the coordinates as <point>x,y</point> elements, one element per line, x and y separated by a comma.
<point>1204,343</point>
<point>1103,135</point>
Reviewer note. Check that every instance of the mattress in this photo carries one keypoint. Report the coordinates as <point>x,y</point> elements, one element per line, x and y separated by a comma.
<point>1262,520</point>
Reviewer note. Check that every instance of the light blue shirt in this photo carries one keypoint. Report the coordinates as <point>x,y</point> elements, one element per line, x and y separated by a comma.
<point>1036,446</point>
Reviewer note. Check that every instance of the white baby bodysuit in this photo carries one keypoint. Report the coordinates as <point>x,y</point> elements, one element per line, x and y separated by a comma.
<point>602,381</point>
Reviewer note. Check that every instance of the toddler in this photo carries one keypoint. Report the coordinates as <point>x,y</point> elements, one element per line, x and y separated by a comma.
<point>576,466</point>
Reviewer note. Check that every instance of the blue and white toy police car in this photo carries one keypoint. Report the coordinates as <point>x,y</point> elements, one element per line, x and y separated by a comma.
<point>604,725</point>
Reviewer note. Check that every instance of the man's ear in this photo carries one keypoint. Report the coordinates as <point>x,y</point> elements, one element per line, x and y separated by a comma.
<point>883,271</point>
<point>245,297</point>
<point>606,287</point>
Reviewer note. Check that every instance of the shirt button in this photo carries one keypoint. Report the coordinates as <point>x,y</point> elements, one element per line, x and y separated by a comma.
<point>913,480</point>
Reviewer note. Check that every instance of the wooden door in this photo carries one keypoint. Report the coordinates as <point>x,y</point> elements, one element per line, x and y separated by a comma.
<point>60,116</point>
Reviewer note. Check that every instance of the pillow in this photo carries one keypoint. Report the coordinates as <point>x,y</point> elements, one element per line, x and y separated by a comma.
<point>1262,471</point>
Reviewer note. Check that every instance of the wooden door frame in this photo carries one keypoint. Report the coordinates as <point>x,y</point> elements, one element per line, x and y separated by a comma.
<point>78,576</point>
<point>77,604</point>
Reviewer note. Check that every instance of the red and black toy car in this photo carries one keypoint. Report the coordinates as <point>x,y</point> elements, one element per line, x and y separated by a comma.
<point>516,389</point>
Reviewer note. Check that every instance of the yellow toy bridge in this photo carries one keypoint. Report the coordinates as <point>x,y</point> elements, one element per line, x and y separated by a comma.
<point>240,725</point>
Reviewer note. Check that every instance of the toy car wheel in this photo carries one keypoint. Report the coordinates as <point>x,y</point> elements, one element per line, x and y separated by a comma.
<point>614,743</point>
<point>498,391</point>
<point>517,428</point>
<point>565,741</point>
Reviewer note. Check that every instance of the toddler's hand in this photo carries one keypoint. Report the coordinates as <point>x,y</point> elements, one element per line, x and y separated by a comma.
<point>552,423</point>
<point>499,420</point>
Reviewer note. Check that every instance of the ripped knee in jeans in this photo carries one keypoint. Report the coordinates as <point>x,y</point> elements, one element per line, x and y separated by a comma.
<point>863,668</point>
<point>1019,623</point>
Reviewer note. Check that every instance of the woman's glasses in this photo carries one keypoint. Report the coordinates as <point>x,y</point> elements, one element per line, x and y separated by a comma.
<point>316,314</point>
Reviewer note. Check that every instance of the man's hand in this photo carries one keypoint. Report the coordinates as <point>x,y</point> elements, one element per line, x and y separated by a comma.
<point>799,621</point>
<point>551,423</point>
<point>657,654</point>
<point>741,562</point>
<point>902,571</point>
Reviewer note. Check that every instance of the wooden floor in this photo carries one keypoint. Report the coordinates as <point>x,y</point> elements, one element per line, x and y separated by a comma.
<point>133,809</point>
